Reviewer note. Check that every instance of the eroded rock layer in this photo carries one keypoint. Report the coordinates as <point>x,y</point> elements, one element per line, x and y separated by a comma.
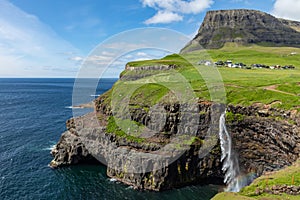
<point>265,139</point>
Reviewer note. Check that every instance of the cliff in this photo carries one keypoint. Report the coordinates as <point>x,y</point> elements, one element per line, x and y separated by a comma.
<point>244,27</point>
<point>262,143</point>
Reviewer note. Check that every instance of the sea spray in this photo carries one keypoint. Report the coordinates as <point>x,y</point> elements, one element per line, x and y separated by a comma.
<point>233,178</point>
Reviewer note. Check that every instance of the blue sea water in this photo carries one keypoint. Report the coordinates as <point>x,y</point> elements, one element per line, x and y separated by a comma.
<point>32,117</point>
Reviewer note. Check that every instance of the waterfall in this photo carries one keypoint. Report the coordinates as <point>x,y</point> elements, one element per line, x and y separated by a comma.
<point>231,166</point>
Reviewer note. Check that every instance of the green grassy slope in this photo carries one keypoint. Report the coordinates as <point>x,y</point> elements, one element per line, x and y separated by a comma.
<point>243,87</point>
<point>288,176</point>
<point>145,88</point>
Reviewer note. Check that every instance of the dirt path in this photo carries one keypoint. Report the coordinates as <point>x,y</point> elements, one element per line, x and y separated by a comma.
<point>232,85</point>
<point>274,89</point>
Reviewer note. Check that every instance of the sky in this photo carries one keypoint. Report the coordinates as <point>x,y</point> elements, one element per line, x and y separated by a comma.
<point>52,38</point>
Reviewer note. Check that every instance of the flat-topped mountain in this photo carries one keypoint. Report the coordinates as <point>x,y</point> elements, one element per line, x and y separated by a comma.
<point>244,27</point>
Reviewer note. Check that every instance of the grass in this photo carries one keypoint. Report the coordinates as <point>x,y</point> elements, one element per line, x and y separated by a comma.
<point>256,54</point>
<point>230,196</point>
<point>117,127</point>
<point>243,87</point>
<point>292,87</point>
<point>281,177</point>
<point>231,117</point>
<point>287,176</point>
<point>148,94</point>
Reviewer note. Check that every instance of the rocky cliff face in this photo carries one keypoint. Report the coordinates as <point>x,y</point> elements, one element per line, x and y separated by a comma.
<point>244,27</point>
<point>265,139</point>
<point>293,24</point>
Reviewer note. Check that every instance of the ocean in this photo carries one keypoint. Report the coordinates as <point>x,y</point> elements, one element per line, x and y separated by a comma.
<point>32,117</point>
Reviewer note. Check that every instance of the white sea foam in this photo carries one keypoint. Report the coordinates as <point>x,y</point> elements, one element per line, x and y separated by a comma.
<point>73,107</point>
<point>129,188</point>
<point>50,148</point>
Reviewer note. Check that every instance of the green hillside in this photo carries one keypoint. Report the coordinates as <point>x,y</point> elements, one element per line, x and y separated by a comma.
<point>278,87</point>
<point>287,177</point>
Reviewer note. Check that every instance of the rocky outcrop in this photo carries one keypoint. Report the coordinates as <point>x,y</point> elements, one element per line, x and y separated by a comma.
<point>244,27</point>
<point>132,73</point>
<point>150,67</point>
<point>293,24</point>
<point>279,190</point>
<point>70,151</point>
<point>265,139</point>
<point>130,163</point>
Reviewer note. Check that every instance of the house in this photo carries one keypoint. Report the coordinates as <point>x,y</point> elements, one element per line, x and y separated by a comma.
<point>228,63</point>
<point>239,65</point>
<point>288,67</point>
<point>219,63</point>
<point>277,67</point>
<point>205,62</point>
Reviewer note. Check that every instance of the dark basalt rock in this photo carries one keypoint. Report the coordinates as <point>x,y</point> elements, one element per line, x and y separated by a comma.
<point>265,139</point>
<point>70,151</point>
<point>244,27</point>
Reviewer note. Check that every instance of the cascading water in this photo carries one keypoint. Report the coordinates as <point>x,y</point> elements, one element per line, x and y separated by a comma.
<point>231,166</point>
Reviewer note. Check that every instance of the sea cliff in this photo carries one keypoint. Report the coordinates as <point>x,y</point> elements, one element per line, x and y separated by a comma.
<point>265,139</point>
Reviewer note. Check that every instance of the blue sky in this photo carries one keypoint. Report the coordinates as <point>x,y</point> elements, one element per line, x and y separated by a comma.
<point>50,38</point>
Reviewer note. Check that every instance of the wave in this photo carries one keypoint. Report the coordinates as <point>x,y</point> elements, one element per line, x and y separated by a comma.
<point>73,107</point>
<point>50,148</point>
<point>95,95</point>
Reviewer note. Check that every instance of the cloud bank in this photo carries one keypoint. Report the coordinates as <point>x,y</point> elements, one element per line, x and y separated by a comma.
<point>288,9</point>
<point>174,10</point>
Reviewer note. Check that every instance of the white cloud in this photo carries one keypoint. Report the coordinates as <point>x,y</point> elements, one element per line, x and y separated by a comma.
<point>128,56</point>
<point>26,45</point>
<point>141,54</point>
<point>288,9</point>
<point>164,17</point>
<point>241,1</point>
<point>99,58</point>
<point>76,58</point>
<point>123,45</point>
<point>106,53</point>
<point>173,10</point>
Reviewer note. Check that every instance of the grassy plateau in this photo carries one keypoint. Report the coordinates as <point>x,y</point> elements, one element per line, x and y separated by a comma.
<point>242,86</point>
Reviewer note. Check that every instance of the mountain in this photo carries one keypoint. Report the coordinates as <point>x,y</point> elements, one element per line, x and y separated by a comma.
<point>244,27</point>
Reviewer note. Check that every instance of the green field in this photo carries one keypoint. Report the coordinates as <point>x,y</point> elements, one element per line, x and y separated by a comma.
<point>278,87</point>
